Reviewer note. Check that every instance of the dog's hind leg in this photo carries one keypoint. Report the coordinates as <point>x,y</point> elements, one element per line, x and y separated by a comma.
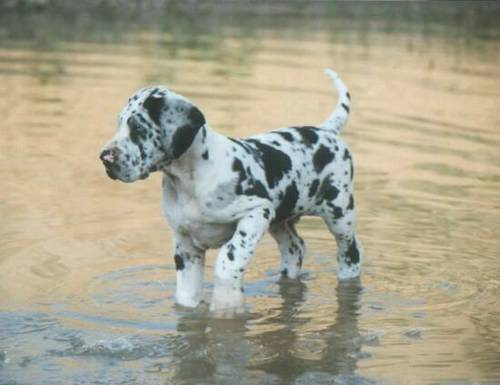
<point>291,246</point>
<point>342,224</point>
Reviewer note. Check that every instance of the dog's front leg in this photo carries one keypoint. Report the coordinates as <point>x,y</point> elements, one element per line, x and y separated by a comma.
<point>233,259</point>
<point>189,264</point>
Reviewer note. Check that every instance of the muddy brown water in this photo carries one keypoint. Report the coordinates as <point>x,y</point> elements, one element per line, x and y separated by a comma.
<point>86,273</point>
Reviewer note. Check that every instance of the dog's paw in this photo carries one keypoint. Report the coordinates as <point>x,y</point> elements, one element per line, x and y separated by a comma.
<point>188,301</point>
<point>348,272</point>
<point>227,302</point>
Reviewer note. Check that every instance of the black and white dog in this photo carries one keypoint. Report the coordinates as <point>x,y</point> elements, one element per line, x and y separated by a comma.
<point>220,192</point>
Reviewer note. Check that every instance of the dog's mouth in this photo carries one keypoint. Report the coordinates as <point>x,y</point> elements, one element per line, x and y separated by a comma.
<point>110,173</point>
<point>114,171</point>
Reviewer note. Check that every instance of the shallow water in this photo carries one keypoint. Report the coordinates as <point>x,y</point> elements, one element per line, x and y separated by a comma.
<point>86,276</point>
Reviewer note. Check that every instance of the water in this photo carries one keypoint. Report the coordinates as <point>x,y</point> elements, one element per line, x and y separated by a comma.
<point>86,276</point>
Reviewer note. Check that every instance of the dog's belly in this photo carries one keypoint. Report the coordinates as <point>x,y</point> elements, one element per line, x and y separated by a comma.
<point>206,235</point>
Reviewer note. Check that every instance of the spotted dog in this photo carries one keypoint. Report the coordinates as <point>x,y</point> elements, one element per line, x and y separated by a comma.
<point>221,192</point>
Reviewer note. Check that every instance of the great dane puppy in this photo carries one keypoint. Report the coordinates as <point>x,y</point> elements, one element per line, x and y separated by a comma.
<point>221,192</point>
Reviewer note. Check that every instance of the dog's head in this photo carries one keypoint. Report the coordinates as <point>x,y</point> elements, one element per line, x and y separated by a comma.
<point>155,127</point>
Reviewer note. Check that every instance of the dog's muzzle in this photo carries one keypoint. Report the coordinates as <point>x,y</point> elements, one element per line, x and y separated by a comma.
<point>109,158</point>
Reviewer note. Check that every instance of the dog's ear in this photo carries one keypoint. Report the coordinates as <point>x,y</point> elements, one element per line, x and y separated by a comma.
<point>184,135</point>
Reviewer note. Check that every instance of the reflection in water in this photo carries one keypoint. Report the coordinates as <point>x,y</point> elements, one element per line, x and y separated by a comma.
<point>343,341</point>
<point>339,341</point>
<point>86,280</point>
<point>279,351</point>
<point>217,351</point>
<point>220,351</point>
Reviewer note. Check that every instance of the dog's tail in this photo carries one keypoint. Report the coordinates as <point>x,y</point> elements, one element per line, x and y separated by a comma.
<point>337,120</point>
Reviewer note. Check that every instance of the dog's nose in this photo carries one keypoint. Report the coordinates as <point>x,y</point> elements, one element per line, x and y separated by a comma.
<point>108,157</point>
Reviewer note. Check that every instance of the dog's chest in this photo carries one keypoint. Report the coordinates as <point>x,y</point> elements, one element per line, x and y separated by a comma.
<point>187,215</point>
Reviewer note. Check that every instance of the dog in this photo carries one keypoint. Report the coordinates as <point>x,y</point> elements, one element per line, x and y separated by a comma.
<point>221,192</point>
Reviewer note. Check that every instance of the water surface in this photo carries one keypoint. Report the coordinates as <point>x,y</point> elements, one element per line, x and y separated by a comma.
<point>86,275</point>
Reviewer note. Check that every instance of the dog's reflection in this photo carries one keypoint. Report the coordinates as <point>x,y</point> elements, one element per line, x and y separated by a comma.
<point>339,343</point>
<point>220,351</point>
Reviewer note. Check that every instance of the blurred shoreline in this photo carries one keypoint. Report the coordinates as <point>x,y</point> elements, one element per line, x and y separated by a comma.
<point>40,21</point>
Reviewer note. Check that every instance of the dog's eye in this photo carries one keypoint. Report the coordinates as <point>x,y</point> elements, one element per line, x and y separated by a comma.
<point>137,132</point>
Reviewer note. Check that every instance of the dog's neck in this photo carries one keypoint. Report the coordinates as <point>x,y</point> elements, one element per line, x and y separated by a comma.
<point>204,149</point>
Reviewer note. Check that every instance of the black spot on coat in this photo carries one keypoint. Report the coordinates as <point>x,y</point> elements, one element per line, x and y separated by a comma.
<point>154,106</point>
<point>243,145</point>
<point>184,135</point>
<point>195,117</point>
<point>352,253</point>
<point>327,191</point>
<point>238,167</point>
<point>287,204</point>
<point>285,135</point>
<point>143,120</point>
<point>258,189</point>
<point>230,252</point>
<point>313,188</point>
<point>252,187</point>
<point>242,176</point>
<point>308,134</point>
<point>179,262</point>
<point>337,212</point>
<point>276,163</point>
<point>322,157</point>
<point>137,132</point>
<point>350,206</point>
<point>347,155</point>
<point>346,107</point>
